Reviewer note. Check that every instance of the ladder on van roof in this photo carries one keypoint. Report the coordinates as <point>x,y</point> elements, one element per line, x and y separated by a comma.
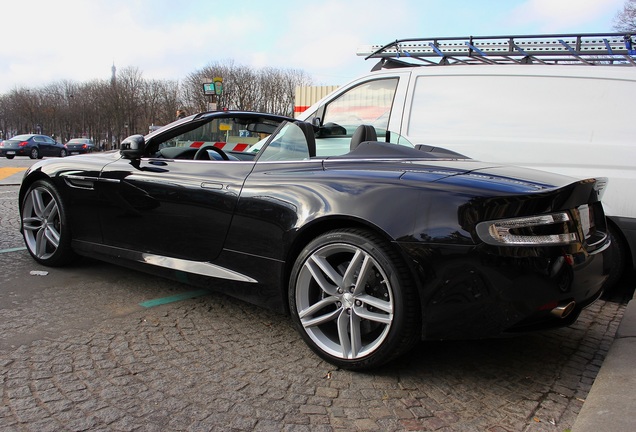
<point>589,49</point>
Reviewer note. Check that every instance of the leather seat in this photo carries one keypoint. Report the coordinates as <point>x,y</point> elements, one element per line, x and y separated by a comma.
<point>363,133</point>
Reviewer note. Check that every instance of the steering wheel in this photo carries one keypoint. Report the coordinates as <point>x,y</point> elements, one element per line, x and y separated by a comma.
<point>202,153</point>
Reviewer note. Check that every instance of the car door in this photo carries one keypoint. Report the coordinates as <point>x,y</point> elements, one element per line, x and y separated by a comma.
<point>38,142</point>
<point>46,145</point>
<point>168,204</point>
<point>174,208</point>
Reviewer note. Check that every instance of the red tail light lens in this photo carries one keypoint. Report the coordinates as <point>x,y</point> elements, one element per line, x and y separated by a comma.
<point>23,144</point>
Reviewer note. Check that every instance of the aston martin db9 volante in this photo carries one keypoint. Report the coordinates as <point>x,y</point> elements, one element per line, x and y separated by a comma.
<point>370,246</point>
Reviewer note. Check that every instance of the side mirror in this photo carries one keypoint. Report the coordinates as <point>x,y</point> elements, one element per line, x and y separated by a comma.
<point>133,147</point>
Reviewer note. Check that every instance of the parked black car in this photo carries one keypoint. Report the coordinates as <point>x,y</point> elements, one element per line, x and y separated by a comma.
<point>80,146</point>
<point>32,145</point>
<point>370,250</point>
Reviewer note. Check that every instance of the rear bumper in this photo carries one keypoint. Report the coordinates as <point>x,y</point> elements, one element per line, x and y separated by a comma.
<point>15,152</point>
<point>467,294</point>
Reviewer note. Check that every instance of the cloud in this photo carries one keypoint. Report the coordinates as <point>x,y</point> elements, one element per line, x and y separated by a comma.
<point>79,40</point>
<point>323,37</point>
<point>564,15</point>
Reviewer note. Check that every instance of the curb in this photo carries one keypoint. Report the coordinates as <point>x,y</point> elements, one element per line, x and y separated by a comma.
<point>610,404</point>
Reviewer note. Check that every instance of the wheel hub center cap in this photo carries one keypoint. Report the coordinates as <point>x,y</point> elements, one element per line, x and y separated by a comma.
<point>347,300</point>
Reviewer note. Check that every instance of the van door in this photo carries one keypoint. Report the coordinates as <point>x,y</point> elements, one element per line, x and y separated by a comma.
<point>376,100</point>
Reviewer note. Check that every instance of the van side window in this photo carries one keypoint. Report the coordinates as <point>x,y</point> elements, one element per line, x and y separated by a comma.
<point>368,103</point>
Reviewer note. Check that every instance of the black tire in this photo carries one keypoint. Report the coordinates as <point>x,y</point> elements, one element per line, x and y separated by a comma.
<point>35,153</point>
<point>619,261</point>
<point>326,300</point>
<point>63,153</point>
<point>10,156</point>
<point>45,226</point>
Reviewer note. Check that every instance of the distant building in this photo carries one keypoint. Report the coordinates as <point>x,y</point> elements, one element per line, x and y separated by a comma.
<point>307,96</point>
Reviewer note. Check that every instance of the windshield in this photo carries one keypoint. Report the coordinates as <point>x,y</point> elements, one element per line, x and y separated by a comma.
<point>290,143</point>
<point>329,144</point>
<point>230,132</point>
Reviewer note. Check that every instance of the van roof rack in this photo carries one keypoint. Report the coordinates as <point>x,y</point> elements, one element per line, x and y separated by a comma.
<point>588,49</point>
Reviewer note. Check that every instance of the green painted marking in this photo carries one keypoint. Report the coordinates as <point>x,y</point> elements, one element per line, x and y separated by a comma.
<point>16,249</point>
<point>174,298</point>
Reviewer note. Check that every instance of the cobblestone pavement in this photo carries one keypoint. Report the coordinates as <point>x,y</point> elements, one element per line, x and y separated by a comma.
<point>78,352</point>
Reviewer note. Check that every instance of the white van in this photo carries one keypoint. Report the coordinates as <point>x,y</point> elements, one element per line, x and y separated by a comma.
<point>560,103</point>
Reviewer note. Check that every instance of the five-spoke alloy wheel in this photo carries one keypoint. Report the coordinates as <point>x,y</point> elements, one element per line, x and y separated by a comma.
<point>352,299</point>
<point>44,225</point>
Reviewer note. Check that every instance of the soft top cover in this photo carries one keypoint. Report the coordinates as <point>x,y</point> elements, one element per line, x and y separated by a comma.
<point>384,150</point>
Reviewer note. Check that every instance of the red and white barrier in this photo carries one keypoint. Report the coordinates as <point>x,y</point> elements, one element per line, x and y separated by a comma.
<point>222,145</point>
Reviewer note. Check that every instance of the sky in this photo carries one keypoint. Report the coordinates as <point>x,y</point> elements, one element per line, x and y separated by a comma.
<point>46,41</point>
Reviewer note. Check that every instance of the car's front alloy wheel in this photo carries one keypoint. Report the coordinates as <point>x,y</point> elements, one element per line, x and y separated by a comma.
<point>353,301</point>
<point>45,226</point>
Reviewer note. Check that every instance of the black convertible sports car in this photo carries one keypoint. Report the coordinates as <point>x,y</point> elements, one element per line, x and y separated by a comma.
<point>370,248</point>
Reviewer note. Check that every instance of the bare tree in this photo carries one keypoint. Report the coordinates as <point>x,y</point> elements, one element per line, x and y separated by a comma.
<point>625,20</point>
<point>242,89</point>
<point>107,110</point>
<point>129,92</point>
<point>159,102</point>
<point>193,95</point>
<point>268,90</point>
<point>192,92</point>
<point>23,111</point>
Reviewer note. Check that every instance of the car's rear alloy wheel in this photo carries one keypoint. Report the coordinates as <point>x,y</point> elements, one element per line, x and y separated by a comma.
<point>34,153</point>
<point>45,226</point>
<point>353,301</point>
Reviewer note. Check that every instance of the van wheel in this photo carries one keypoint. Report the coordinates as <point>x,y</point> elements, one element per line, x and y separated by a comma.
<point>352,299</point>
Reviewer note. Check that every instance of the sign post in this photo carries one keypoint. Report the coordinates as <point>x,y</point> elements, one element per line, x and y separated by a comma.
<point>215,90</point>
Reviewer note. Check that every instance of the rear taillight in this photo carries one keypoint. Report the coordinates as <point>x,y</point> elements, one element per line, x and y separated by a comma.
<point>549,229</point>
<point>23,144</point>
<point>84,146</point>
